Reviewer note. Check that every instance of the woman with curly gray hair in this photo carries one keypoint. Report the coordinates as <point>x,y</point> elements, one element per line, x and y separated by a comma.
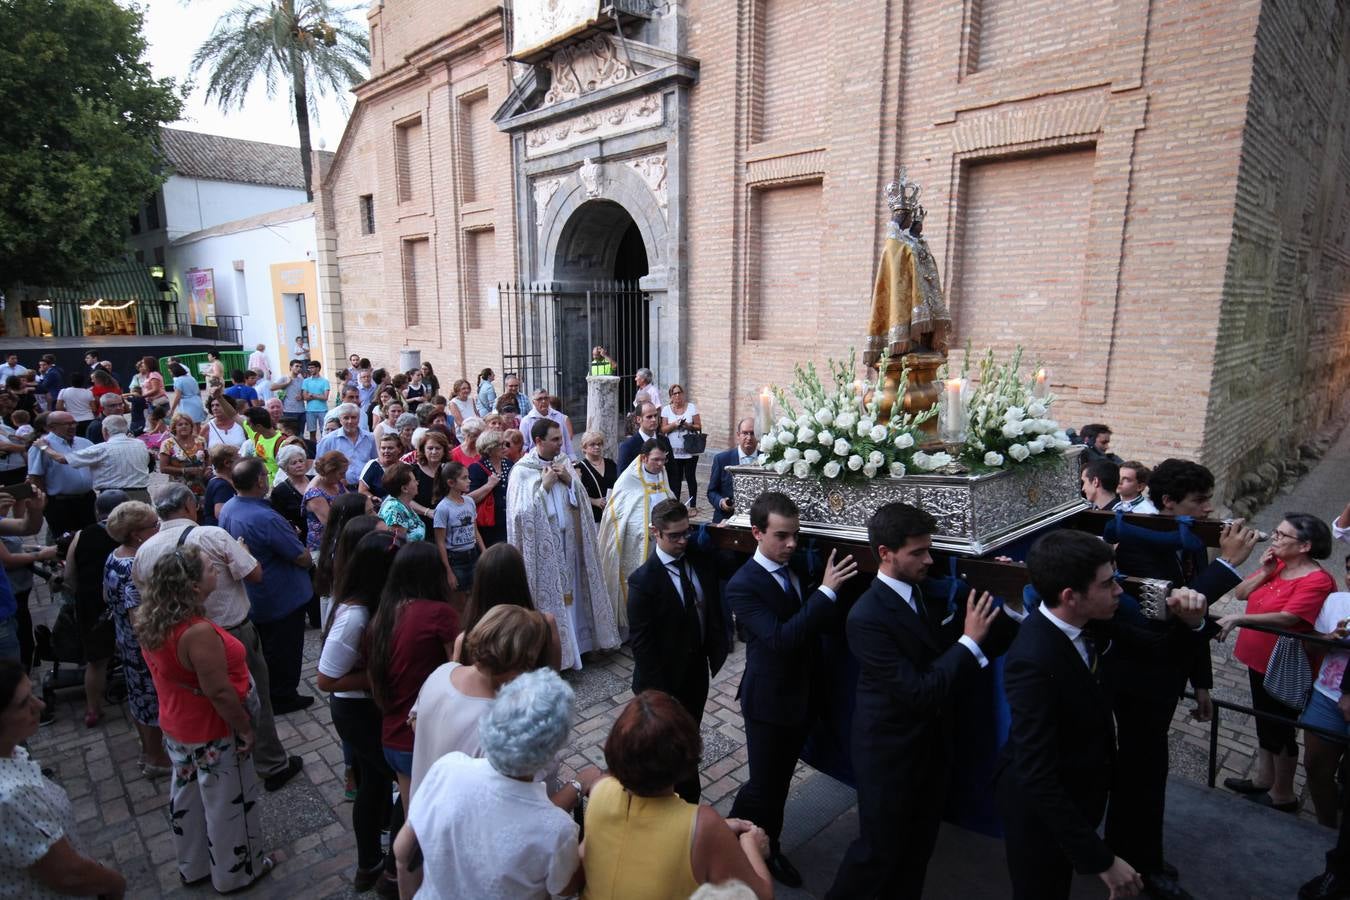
<point>202,680</point>
<point>485,827</point>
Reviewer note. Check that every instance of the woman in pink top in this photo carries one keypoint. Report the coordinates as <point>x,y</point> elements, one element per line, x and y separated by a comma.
<point>203,684</point>
<point>1286,592</point>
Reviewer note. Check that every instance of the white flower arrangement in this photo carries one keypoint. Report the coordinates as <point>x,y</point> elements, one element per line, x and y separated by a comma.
<point>1008,424</point>
<point>833,430</point>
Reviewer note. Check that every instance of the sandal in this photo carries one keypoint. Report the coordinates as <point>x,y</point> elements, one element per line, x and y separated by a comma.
<point>152,771</point>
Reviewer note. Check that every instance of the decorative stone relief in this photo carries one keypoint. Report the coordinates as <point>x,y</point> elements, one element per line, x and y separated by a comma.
<point>592,175</point>
<point>584,67</point>
<point>652,169</point>
<point>544,189</point>
<point>620,118</point>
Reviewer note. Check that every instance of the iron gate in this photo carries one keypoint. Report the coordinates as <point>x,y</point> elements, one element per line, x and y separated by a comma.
<point>548,332</point>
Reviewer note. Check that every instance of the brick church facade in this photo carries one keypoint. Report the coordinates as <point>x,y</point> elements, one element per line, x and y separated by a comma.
<point>1149,196</point>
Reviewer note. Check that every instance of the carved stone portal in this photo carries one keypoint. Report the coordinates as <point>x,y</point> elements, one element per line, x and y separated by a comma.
<point>592,176</point>
<point>584,67</point>
<point>652,169</point>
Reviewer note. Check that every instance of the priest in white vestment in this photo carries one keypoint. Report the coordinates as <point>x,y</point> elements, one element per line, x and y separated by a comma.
<point>626,523</point>
<point>548,519</point>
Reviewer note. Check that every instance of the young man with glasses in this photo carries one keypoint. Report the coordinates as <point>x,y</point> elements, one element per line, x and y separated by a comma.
<point>675,620</point>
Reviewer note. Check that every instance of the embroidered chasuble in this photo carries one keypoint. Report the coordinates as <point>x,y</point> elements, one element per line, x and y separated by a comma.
<point>625,531</point>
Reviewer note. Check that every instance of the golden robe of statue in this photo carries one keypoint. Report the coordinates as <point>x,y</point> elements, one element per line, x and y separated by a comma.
<point>908,312</point>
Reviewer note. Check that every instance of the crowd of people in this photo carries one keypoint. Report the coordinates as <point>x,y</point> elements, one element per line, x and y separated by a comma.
<point>457,553</point>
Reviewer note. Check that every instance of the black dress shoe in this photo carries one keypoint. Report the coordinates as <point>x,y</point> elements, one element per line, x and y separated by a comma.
<point>783,871</point>
<point>1327,886</point>
<point>1170,870</point>
<point>1164,887</point>
<point>293,766</point>
<point>1243,786</point>
<point>291,704</point>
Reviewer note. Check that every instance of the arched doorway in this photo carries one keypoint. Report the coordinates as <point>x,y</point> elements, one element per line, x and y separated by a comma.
<point>600,257</point>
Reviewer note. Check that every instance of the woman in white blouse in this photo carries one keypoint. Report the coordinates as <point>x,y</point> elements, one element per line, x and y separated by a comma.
<point>223,425</point>
<point>77,400</point>
<point>37,822</point>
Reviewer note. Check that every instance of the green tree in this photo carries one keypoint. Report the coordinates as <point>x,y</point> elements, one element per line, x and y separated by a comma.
<point>79,135</point>
<point>307,44</point>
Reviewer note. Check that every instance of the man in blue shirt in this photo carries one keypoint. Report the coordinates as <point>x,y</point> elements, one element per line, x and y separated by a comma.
<point>277,602</point>
<point>70,490</point>
<point>314,391</point>
<point>9,607</point>
<point>239,392</point>
<point>357,445</point>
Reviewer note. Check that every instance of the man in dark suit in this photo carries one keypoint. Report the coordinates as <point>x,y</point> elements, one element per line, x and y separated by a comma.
<point>720,493</point>
<point>649,427</point>
<point>675,620</point>
<point>912,652</point>
<point>1059,763</point>
<point>779,690</point>
<point>1145,694</point>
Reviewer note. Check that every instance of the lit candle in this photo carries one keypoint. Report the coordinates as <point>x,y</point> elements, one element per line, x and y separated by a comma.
<point>1040,388</point>
<point>765,410</point>
<point>953,411</point>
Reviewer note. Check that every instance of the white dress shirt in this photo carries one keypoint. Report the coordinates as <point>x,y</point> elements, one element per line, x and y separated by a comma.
<point>1139,504</point>
<point>120,462</point>
<point>906,592</point>
<point>1072,632</point>
<point>778,570</point>
<point>672,569</point>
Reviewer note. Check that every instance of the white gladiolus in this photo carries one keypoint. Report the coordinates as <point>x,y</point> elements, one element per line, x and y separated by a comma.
<point>812,456</point>
<point>824,417</point>
<point>767,444</point>
<point>1014,414</point>
<point>792,454</point>
<point>782,467</point>
<point>1012,430</point>
<point>787,437</point>
<point>841,447</point>
<point>1019,452</point>
<point>1036,409</point>
<point>877,433</point>
<point>1036,446</point>
<point>875,459</point>
<point>904,441</point>
<point>805,435</point>
<point>826,438</point>
<point>855,462</point>
<point>993,459</point>
<point>801,468</point>
<point>832,469</point>
<point>870,471</point>
<point>898,469</point>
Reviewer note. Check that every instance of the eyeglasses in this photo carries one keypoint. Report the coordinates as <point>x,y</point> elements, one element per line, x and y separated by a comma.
<point>675,535</point>
<point>750,433</point>
<point>1284,536</point>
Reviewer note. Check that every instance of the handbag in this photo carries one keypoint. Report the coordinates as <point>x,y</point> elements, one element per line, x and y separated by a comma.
<point>1288,674</point>
<point>487,508</point>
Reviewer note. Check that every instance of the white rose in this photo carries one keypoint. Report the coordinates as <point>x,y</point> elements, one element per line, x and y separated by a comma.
<point>785,422</point>
<point>877,433</point>
<point>803,421</point>
<point>832,469</point>
<point>855,462</point>
<point>939,459</point>
<point>993,459</point>
<point>864,429</point>
<point>1019,452</point>
<point>870,470</point>
<point>921,460</point>
<point>824,417</point>
<point>792,454</point>
<point>1012,430</point>
<point>812,456</point>
<point>845,420</point>
<point>1036,446</point>
<point>904,441</point>
<point>1014,414</point>
<point>801,468</point>
<point>1036,409</point>
<point>875,459</point>
<point>782,466</point>
<point>787,437</point>
<point>841,447</point>
<point>767,444</point>
<point>898,469</point>
<point>866,423</point>
<point>805,435</point>
<point>825,438</point>
<point>761,460</point>
<point>1061,436</point>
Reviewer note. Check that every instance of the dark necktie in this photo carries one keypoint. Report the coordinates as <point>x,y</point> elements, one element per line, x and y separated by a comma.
<point>919,607</point>
<point>786,575</point>
<point>692,607</point>
<point>1092,657</point>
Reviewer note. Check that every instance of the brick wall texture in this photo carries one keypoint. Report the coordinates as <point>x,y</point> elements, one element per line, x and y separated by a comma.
<point>1149,196</point>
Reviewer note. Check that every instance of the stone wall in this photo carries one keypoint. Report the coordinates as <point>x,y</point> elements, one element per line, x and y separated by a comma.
<point>1282,363</point>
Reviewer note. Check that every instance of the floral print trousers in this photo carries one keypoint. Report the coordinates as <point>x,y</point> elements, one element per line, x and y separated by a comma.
<point>213,800</point>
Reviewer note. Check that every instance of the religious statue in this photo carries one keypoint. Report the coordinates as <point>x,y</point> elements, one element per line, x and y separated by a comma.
<point>909,321</point>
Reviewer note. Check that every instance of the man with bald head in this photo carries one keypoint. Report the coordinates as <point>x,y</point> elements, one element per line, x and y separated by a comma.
<point>720,493</point>
<point>70,490</point>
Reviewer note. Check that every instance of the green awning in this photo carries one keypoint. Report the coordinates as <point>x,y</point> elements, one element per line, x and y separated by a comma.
<point>116,281</point>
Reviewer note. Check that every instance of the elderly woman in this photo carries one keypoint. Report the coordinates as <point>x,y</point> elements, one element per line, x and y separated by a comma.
<point>464,826</point>
<point>507,641</point>
<point>201,677</point>
<point>467,451</point>
<point>487,487</point>
<point>39,850</point>
<point>624,541</point>
<point>288,492</point>
<point>642,841</point>
<point>461,404</point>
<point>404,428</point>
<point>182,454</point>
<point>1286,592</point>
<point>328,484</point>
<point>400,509</point>
<point>132,524</point>
<point>598,472</point>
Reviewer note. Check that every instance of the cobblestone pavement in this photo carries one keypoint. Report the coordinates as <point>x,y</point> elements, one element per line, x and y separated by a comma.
<point>122,815</point>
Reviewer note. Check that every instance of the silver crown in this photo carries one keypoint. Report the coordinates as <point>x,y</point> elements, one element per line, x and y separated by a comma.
<point>902,194</point>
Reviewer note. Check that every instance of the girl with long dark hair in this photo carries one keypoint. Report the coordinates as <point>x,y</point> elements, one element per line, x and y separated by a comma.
<point>501,580</point>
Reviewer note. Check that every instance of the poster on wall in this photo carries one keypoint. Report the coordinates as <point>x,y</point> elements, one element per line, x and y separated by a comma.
<point>541,23</point>
<point>201,284</point>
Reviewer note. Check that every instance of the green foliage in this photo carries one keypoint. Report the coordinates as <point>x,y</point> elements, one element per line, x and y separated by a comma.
<point>79,131</point>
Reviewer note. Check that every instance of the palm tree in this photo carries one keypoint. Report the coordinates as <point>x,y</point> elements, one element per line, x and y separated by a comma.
<point>309,43</point>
